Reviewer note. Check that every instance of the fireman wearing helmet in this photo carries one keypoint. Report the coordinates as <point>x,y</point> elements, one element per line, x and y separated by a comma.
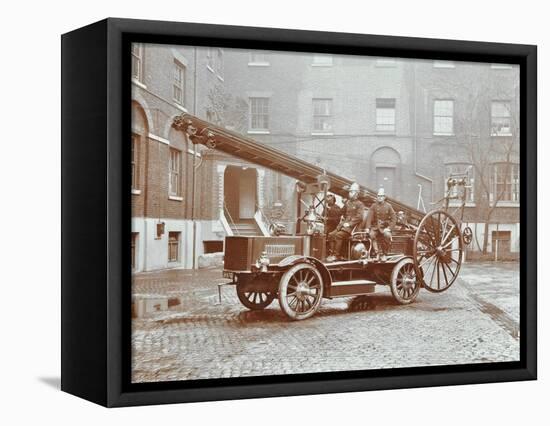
<point>382,218</point>
<point>352,215</point>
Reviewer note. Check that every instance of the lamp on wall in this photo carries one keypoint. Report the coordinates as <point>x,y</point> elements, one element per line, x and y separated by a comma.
<point>160,230</point>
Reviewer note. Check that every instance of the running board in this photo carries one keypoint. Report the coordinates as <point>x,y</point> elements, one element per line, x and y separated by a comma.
<point>350,288</point>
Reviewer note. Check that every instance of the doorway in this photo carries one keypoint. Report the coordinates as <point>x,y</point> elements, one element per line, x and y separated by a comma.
<point>385,178</point>
<point>240,191</point>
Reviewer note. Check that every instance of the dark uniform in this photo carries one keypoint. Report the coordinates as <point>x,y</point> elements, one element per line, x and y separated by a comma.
<point>352,216</point>
<point>333,214</point>
<point>381,220</point>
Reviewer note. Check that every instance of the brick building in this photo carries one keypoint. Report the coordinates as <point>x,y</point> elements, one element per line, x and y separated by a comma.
<point>166,81</point>
<point>398,124</point>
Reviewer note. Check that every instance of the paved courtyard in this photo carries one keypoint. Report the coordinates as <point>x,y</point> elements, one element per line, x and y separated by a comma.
<point>475,321</point>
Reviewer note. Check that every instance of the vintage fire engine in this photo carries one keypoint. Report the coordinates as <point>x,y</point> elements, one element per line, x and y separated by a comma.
<point>426,250</point>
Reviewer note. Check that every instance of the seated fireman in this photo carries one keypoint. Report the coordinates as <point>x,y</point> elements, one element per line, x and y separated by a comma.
<point>382,218</point>
<point>352,215</point>
<point>333,213</point>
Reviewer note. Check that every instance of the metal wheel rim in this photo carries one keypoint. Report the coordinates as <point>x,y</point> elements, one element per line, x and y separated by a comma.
<point>437,251</point>
<point>300,291</point>
<point>406,283</point>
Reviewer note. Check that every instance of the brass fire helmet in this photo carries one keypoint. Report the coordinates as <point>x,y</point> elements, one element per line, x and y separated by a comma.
<point>360,250</point>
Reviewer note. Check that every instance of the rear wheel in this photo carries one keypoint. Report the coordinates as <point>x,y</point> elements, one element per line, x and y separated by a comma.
<point>404,284</point>
<point>437,251</point>
<point>300,291</point>
<point>255,300</point>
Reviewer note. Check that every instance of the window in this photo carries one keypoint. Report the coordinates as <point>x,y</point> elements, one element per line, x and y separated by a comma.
<point>133,249</point>
<point>135,161</point>
<point>174,246</point>
<point>137,61</point>
<point>385,115</point>
<point>179,83</point>
<point>322,115</point>
<point>259,114</point>
<point>219,63</point>
<point>461,169</point>
<point>386,63</point>
<point>258,58</point>
<point>443,117</point>
<point>505,183</point>
<point>444,64</point>
<point>322,60</point>
<point>174,175</point>
<point>500,118</point>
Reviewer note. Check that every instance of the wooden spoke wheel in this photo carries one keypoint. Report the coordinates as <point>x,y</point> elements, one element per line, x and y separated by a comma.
<point>300,291</point>
<point>437,251</point>
<point>467,235</point>
<point>255,300</point>
<point>404,283</point>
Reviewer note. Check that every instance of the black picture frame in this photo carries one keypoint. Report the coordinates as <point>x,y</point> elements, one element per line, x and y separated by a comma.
<point>95,177</point>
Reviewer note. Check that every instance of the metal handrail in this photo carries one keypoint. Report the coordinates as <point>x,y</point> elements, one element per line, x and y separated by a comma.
<point>264,216</point>
<point>232,223</point>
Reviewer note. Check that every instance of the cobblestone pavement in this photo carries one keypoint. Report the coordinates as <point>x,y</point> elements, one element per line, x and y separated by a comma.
<point>475,321</point>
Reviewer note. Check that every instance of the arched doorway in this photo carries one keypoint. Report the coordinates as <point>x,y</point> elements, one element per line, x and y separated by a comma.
<point>240,189</point>
<point>386,164</point>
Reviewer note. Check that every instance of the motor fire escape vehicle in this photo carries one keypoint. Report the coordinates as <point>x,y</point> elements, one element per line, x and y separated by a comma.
<point>426,249</point>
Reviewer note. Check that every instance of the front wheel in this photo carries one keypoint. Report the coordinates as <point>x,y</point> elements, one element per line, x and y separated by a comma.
<point>300,291</point>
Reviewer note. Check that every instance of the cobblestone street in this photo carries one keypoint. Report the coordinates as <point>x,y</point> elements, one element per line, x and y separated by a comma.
<point>475,321</point>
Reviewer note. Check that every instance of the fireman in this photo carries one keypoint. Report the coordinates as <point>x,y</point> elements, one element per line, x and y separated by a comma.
<point>351,217</point>
<point>333,213</point>
<point>382,218</point>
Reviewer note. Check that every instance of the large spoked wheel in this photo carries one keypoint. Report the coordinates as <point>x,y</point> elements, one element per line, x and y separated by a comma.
<point>437,251</point>
<point>300,291</point>
<point>404,284</point>
<point>255,300</point>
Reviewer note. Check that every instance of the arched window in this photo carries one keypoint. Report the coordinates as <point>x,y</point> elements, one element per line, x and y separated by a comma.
<point>139,134</point>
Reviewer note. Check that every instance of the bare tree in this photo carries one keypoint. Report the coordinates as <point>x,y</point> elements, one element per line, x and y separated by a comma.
<point>491,147</point>
<point>227,110</point>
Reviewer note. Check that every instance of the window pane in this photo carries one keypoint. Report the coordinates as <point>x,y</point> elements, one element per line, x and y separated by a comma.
<point>322,112</point>
<point>500,118</point>
<point>134,160</point>
<point>173,246</point>
<point>500,109</point>
<point>505,182</point>
<point>385,114</point>
<point>174,173</point>
<point>259,113</point>
<point>257,57</point>
<point>179,83</point>
<point>443,125</point>
<point>443,107</point>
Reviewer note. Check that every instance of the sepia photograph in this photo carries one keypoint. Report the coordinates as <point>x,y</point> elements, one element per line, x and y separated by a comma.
<point>305,212</point>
